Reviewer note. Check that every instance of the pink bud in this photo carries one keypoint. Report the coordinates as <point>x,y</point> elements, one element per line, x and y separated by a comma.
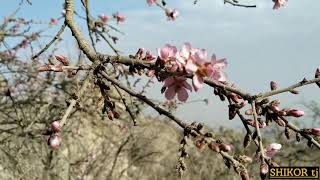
<point>317,75</point>
<point>119,18</point>
<point>43,68</point>
<point>244,175</point>
<point>56,68</point>
<point>264,169</point>
<point>149,56</point>
<point>62,59</point>
<point>53,21</point>
<point>172,14</point>
<point>273,85</point>
<point>214,147</point>
<point>200,143</point>
<point>294,113</point>
<point>54,141</point>
<point>225,147</point>
<point>273,149</point>
<point>56,126</point>
<point>140,52</point>
<point>313,131</point>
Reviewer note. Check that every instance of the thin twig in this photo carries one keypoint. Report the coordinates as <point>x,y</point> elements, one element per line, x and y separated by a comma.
<point>297,130</point>
<point>56,37</point>
<point>232,2</point>
<point>288,89</point>
<point>74,101</point>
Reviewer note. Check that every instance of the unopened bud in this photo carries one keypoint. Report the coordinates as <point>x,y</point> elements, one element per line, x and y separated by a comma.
<point>139,53</point>
<point>232,112</point>
<point>149,56</point>
<point>244,175</point>
<point>317,75</point>
<point>225,147</point>
<point>56,126</point>
<point>44,68</point>
<point>313,131</point>
<point>54,141</point>
<point>264,169</point>
<point>273,85</point>
<point>214,147</point>
<point>295,113</point>
<point>62,59</point>
<point>56,68</point>
<point>200,143</point>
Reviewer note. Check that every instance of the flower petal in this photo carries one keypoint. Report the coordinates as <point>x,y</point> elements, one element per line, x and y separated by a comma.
<point>183,95</point>
<point>168,82</point>
<point>197,82</point>
<point>170,93</point>
<point>191,67</point>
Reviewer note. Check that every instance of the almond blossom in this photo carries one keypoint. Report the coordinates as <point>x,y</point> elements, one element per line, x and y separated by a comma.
<point>273,149</point>
<point>177,85</point>
<point>216,69</point>
<point>279,3</point>
<point>197,66</point>
<point>167,53</point>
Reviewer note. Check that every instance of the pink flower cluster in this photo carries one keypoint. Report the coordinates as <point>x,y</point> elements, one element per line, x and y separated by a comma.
<point>189,61</point>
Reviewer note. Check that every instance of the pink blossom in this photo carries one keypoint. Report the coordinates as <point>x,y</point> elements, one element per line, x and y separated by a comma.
<point>279,3</point>
<point>119,18</point>
<point>53,21</point>
<point>151,2</point>
<point>216,69</point>
<point>104,18</point>
<point>184,53</point>
<point>198,67</point>
<point>172,14</point>
<point>167,53</point>
<point>177,85</point>
<point>273,149</point>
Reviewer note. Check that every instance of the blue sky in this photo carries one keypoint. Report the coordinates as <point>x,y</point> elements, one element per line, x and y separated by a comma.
<point>260,44</point>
